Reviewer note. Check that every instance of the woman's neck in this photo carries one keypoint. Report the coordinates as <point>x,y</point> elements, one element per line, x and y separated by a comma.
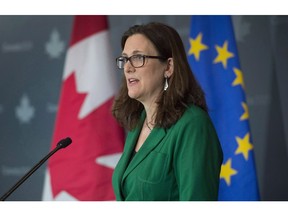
<point>150,116</point>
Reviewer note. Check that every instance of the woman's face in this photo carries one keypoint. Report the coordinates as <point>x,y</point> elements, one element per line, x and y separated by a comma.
<point>145,83</point>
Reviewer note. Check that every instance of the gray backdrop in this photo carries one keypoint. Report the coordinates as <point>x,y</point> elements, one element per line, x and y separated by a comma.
<point>32,54</point>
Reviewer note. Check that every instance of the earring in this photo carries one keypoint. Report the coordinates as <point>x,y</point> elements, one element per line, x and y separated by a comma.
<point>166,83</point>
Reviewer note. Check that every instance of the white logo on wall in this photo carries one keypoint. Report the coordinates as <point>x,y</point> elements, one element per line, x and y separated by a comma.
<point>51,108</point>
<point>23,46</point>
<point>13,170</point>
<point>24,112</point>
<point>54,47</point>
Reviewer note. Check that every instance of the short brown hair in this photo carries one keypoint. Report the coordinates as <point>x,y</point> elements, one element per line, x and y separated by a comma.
<point>183,89</point>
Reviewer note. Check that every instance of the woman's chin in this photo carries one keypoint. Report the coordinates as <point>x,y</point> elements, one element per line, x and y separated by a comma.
<point>132,95</point>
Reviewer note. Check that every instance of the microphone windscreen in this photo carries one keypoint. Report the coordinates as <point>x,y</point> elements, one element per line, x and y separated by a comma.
<point>64,142</point>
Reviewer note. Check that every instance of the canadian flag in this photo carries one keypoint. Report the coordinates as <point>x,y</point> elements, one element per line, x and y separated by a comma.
<point>83,171</point>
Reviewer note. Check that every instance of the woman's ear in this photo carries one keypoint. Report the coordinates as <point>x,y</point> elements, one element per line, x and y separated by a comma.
<point>170,68</point>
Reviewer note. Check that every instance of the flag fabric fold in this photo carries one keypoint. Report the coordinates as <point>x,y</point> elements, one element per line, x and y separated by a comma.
<point>214,60</point>
<point>84,170</point>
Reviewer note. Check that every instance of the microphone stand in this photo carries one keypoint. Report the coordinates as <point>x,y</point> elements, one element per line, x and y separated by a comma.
<point>62,144</point>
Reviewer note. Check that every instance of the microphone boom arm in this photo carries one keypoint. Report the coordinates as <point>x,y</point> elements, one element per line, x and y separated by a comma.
<point>61,144</point>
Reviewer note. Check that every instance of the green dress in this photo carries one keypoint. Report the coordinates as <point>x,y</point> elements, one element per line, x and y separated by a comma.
<point>180,163</point>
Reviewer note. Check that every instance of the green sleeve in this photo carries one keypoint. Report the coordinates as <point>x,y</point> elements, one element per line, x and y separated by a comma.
<point>198,159</point>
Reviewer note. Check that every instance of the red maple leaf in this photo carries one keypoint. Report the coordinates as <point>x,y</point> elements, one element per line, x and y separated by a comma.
<point>74,169</point>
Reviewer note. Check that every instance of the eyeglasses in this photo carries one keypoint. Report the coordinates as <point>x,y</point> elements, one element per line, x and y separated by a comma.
<point>136,61</point>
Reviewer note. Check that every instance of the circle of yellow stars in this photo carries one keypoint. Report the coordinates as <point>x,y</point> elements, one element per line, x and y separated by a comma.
<point>223,55</point>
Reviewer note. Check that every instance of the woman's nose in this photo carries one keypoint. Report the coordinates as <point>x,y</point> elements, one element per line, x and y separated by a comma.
<point>128,68</point>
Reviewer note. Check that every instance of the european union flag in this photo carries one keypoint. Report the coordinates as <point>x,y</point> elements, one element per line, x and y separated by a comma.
<point>214,61</point>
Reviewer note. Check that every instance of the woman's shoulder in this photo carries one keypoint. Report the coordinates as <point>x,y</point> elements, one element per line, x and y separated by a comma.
<point>194,118</point>
<point>193,115</point>
<point>194,111</point>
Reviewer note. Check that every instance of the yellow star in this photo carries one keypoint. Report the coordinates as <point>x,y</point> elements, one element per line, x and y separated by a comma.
<point>223,54</point>
<point>244,146</point>
<point>196,46</point>
<point>227,172</point>
<point>245,115</point>
<point>239,78</point>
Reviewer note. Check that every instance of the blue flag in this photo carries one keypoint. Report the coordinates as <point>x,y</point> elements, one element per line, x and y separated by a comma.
<point>214,61</point>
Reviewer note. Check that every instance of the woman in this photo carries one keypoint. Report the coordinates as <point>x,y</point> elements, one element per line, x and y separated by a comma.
<point>172,151</point>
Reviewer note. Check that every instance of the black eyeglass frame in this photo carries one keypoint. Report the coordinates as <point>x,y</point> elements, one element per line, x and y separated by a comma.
<point>143,56</point>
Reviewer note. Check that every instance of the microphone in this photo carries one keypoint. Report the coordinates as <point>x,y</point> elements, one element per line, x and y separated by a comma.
<point>61,144</point>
